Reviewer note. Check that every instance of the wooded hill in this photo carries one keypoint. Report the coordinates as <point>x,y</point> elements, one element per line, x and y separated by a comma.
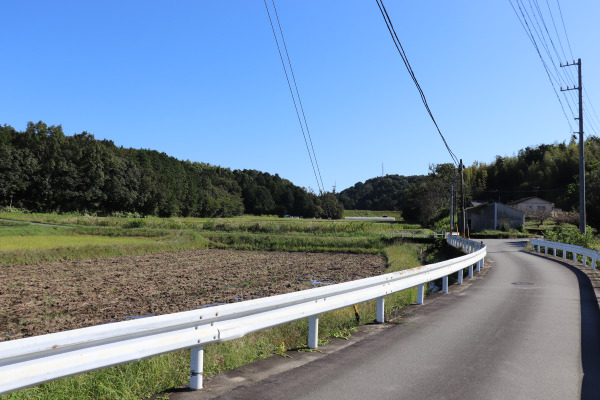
<point>550,172</point>
<point>42,169</point>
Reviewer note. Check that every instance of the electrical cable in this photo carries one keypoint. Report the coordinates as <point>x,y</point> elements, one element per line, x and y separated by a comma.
<point>298,94</point>
<point>400,49</point>
<point>561,72</point>
<point>535,27</point>
<point>542,39</point>
<point>565,29</point>
<point>293,99</point>
<point>529,34</point>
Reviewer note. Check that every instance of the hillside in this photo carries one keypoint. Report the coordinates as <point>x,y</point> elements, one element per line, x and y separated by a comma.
<point>42,169</point>
<point>547,171</point>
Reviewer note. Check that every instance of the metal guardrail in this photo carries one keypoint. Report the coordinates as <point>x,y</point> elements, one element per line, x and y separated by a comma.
<point>31,361</point>
<point>584,252</point>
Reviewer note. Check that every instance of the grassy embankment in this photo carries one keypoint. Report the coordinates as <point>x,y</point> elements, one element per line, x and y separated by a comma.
<point>98,237</point>
<point>369,213</point>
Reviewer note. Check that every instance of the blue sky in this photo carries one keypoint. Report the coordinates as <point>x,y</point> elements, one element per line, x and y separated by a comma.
<point>202,80</point>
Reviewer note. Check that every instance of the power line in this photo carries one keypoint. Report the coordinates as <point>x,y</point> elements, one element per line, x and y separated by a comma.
<point>531,37</point>
<point>567,74</point>
<point>298,93</point>
<point>533,21</point>
<point>400,49</point>
<point>565,29</point>
<point>311,155</point>
<point>556,30</point>
<point>536,13</point>
<point>590,103</point>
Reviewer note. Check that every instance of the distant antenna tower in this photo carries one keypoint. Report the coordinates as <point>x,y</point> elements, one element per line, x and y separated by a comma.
<point>334,186</point>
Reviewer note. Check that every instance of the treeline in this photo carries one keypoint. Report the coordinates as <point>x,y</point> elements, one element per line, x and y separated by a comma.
<point>42,169</point>
<point>550,172</point>
<point>387,193</point>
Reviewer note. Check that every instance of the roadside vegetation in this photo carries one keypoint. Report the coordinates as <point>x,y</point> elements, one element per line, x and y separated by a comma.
<point>76,237</point>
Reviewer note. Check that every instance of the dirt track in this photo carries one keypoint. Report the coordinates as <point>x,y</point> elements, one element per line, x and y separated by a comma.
<point>52,297</point>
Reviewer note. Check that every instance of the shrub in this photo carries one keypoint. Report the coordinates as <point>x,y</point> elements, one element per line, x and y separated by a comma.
<point>570,236</point>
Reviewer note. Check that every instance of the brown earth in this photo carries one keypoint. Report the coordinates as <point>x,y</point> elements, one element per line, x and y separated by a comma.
<point>51,297</point>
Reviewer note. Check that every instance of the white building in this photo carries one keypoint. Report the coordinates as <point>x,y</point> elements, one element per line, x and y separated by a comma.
<point>532,206</point>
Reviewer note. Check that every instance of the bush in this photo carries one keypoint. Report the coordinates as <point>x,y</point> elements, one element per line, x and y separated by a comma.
<point>136,223</point>
<point>566,235</point>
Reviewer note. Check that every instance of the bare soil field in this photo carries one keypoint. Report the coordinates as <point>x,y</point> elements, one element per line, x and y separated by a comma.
<point>51,297</point>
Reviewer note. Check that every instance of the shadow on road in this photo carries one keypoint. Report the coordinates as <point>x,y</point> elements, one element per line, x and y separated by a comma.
<point>590,333</point>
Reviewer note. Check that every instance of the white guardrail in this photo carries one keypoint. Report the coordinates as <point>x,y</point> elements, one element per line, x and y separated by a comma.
<point>585,253</point>
<point>34,360</point>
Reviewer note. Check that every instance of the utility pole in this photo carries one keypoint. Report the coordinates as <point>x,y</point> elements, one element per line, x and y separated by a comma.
<point>461,168</point>
<point>582,217</point>
<point>453,202</point>
<point>452,207</point>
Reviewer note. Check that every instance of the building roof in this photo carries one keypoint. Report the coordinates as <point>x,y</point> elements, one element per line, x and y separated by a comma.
<point>485,205</point>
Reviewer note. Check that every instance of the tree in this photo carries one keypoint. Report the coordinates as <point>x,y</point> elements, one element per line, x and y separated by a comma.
<point>331,207</point>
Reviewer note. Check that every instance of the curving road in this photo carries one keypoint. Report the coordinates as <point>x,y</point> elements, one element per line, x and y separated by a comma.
<point>537,339</point>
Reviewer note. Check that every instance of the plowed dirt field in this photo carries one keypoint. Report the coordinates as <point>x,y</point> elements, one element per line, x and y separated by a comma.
<point>51,297</point>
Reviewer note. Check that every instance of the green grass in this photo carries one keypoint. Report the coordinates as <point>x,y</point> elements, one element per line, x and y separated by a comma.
<point>28,244</point>
<point>43,242</point>
<point>90,236</point>
<point>297,242</point>
<point>534,227</point>
<point>369,213</point>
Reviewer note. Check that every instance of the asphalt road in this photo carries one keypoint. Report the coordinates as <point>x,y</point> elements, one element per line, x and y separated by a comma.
<point>529,330</point>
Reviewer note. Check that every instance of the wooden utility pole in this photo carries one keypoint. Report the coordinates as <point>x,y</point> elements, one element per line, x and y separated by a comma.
<point>463,217</point>
<point>582,216</point>
<point>452,207</point>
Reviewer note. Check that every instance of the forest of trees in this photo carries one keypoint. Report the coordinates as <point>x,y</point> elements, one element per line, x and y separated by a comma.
<point>42,169</point>
<point>550,172</point>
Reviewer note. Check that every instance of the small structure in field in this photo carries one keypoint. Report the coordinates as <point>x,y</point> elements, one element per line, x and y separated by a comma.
<point>494,216</point>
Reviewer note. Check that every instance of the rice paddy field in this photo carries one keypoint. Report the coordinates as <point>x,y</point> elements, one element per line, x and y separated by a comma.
<point>61,272</point>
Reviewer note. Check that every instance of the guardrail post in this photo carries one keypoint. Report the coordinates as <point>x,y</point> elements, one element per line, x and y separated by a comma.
<point>545,249</point>
<point>313,332</point>
<point>470,271</point>
<point>554,252</point>
<point>196,367</point>
<point>593,263</point>
<point>479,265</point>
<point>564,254</point>
<point>574,256</point>
<point>460,277</point>
<point>445,284</point>
<point>421,293</point>
<point>380,309</point>
<point>584,259</point>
